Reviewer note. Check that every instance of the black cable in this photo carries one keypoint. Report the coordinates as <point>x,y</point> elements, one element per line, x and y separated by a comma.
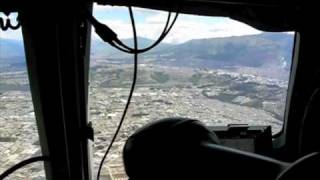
<point>14,27</point>
<point>130,94</point>
<point>107,35</point>
<point>120,48</point>
<point>5,25</point>
<point>164,33</point>
<point>23,163</point>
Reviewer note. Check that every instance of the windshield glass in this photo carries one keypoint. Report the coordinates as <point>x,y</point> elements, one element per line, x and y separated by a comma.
<point>214,69</point>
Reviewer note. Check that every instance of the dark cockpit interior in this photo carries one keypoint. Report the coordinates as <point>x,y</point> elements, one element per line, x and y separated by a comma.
<point>67,71</point>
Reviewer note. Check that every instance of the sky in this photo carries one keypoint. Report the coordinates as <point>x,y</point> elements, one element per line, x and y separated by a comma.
<point>10,34</point>
<point>151,22</point>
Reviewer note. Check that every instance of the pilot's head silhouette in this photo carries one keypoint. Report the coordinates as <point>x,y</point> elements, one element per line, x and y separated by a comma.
<point>166,149</point>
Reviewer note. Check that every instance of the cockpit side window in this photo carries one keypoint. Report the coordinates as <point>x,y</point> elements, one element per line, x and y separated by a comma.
<point>19,138</point>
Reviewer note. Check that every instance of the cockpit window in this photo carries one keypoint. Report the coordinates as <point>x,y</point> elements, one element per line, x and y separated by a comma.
<point>214,69</point>
<point>18,131</point>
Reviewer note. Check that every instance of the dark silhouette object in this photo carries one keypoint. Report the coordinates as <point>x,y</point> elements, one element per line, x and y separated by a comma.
<point>178,148</point>
<point>166,149</point>
<point>309,128</point>
<point>306,167</point>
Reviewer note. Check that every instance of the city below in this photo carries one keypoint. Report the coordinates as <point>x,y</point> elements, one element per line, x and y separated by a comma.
<point>218,94</point>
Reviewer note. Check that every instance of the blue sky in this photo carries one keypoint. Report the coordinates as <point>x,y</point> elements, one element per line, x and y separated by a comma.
<point>150,24</point>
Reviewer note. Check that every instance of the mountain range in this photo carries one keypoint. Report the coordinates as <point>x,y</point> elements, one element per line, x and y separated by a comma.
<point>272,50</point>
<point>262,50</point>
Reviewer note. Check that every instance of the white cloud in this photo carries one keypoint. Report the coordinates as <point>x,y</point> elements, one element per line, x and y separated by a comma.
<point>11,34</point>
<point>146,12</point>
<point>290,32</point>
<point>100,8</point>
<point>103,9</point>
<point>158,18</point>
<point>186,28</point>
